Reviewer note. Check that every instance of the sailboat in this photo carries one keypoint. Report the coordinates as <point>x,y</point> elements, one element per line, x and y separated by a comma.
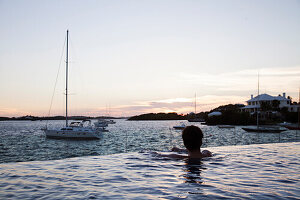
<point>74,130</point>
<point>195,119</point>
<point>262,129</point>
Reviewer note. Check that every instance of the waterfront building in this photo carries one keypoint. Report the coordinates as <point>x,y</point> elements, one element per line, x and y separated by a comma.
<point>270,103</point>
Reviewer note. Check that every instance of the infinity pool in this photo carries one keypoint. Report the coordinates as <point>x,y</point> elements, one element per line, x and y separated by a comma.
<point>259,171</point>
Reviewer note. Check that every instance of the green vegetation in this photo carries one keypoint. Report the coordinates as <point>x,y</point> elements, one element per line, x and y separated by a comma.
<point>158,116</point>
<point>201,115</point>
<point>231,115</point>
<point>267,106</point>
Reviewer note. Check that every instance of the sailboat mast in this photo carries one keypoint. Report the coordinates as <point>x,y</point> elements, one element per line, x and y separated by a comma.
<point>67,55</point>
<point>195,105</point>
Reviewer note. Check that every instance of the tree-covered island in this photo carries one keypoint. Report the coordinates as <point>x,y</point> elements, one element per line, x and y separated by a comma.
<point>158,116</point>
<point>231,114</point>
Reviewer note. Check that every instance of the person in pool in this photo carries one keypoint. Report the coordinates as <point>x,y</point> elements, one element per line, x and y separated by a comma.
<point>192,140</point>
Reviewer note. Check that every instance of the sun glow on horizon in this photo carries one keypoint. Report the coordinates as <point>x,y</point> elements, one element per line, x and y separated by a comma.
<point>280,78</point>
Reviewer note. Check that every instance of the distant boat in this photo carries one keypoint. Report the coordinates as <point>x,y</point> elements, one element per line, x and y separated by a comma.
<point>195,119</point>
<point>180,127</point>
<point>293,127</point>
<point>76,130</point>
<point>261,129</point>
<point>103,123</point>
<point>110,121</point>
<point>226,126</point>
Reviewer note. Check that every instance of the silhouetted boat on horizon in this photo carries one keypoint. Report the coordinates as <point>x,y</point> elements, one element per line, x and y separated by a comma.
<point>226,126</point>
<point>195,119</point>
<point>262,129</point>
<point>293,127</point>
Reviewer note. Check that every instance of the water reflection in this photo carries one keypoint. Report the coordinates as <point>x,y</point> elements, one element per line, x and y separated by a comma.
<point>267,171</point>
<point>25,141</point>
<point>192,170</point>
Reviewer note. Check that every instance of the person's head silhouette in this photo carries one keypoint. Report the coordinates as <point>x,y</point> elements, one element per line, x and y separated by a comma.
<point>192,138</point>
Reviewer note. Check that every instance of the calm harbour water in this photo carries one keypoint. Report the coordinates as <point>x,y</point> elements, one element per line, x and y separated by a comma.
<point>121,164</point>
<point>25,141</point>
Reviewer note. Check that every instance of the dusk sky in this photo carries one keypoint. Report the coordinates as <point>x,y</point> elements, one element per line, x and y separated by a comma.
<point>133,57</point>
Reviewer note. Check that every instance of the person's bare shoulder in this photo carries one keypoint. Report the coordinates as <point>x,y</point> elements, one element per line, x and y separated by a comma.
<point>176,149</point>
<point>174,156</point>
<point>206,153</point>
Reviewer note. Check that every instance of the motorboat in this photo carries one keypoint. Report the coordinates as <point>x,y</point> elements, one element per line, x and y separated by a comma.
<point>110,121</point>
<point>180,127</point>
<point>101,123</point>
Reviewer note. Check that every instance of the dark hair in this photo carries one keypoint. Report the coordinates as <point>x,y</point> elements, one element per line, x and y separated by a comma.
<point>192,137</point>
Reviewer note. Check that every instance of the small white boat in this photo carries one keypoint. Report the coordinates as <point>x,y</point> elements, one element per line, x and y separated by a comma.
<point>76,130</point>
<point>101,123</point>
<point>225,126</point>
<point>110,121</point>
<point>181,126</point>
<point>104,122</point>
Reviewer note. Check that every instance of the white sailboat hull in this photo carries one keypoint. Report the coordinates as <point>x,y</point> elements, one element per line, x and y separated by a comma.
<point>264,129</point>
<point>73,133</point>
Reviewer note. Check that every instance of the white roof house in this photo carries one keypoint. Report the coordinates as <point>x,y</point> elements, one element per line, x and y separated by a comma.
<point>254,102</point>
<point>266,97</point>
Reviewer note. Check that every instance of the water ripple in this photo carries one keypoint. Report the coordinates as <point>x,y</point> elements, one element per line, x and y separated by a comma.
<point>24,140</point>
<point>259,171</point>
<point>139,176</point>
